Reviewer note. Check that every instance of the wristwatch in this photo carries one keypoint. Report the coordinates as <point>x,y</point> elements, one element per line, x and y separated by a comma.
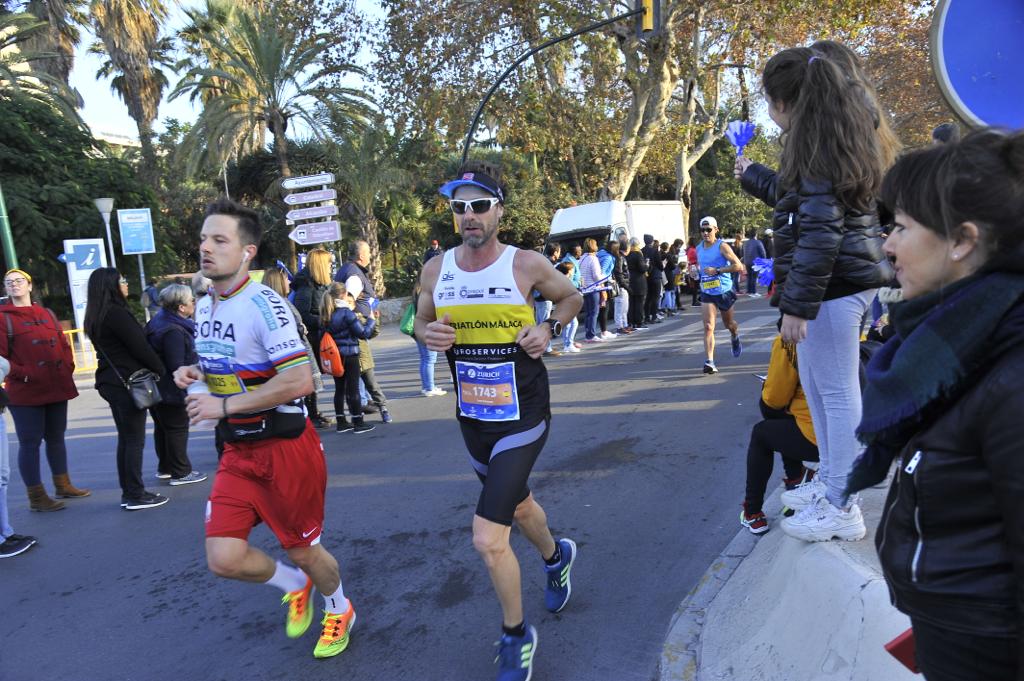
<point>556,326</point>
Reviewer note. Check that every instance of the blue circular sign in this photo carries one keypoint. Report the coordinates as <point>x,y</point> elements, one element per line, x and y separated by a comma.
<point>978,58</point>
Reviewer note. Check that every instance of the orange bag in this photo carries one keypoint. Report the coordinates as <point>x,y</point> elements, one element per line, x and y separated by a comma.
<point>331,361</point>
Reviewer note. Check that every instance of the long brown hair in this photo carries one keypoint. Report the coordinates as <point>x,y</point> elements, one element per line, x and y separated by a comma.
<point>889,143</point>
<point>832,134</point>
<point>327,304</point>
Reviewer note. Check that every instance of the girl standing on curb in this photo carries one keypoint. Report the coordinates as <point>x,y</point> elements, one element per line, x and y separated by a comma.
<point>828,259</point>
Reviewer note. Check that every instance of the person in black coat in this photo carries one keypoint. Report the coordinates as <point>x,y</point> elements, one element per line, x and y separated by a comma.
<point>171,333</point>
<point>943,400</point>
<point>310,284</point>
<point>122,349</point>
<point>636,264</point>
<point>655,278</point>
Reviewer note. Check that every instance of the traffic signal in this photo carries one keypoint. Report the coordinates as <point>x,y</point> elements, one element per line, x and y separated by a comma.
<point>650,21</point>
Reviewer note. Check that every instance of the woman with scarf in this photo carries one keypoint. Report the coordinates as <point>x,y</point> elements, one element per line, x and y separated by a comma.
<point>943,399</point>
<point>171,333</point>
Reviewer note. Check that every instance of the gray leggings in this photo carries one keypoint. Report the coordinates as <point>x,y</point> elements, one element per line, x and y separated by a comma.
<point>829,361</point>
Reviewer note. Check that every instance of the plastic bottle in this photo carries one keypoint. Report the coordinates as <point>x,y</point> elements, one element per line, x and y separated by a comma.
<point>200,388</point>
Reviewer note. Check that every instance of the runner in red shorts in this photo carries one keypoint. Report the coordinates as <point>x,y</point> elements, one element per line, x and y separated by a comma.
<point>252,376</point>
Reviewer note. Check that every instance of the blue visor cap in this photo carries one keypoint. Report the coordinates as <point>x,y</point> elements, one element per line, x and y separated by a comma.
<point>482,180</point>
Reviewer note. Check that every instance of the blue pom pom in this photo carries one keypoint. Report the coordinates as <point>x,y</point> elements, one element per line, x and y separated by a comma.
<point>765,268</point>
<point>740,133</point>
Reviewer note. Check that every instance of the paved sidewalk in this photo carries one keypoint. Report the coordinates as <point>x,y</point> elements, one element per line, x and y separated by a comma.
<point>773,608</point>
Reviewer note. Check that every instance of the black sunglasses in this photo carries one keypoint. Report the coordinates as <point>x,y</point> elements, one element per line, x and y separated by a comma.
<point>477,206</point>
<point>707,230</point>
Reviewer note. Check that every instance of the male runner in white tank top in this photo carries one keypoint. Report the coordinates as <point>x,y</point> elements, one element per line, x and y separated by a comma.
<point>481,291</point>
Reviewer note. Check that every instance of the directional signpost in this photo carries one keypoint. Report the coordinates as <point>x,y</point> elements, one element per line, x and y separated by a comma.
<point>311,197</point>
<point>136,226</point>
<point>308,181</point>
<point>314,212</point>
<point>310,233</point>
<point>978,59</point>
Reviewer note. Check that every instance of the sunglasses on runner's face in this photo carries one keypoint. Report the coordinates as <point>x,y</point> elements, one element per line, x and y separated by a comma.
<point>477,206</point>
<point>707,230</point>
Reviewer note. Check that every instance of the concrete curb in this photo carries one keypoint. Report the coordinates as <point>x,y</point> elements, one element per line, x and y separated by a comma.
<point>680,655</point>
<point>772,608</point>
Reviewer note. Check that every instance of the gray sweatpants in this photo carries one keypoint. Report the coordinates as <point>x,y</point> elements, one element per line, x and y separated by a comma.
<point>829,362</point>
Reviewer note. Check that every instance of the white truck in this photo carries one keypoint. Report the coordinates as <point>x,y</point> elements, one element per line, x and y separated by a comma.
<point>612,219</point>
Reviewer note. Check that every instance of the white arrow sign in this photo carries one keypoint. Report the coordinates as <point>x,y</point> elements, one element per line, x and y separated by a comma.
<point>314,212</point>
<point>316,232</point>
<point>308,181</point>
<point>311,197</point>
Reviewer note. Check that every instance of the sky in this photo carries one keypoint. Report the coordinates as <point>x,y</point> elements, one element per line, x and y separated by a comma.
<point>104,111</point>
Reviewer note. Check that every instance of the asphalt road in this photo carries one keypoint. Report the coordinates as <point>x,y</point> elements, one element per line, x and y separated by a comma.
<point>643,468</point>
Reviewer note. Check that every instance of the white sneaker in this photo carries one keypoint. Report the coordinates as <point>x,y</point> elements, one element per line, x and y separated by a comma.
<point>804,494</point>
<point>570,348</point>
<point>821,521</point>
<point>608,335</point>
<point>436,392</point>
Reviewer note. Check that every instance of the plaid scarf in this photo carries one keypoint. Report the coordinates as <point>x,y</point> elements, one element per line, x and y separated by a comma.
<point>943,341</point>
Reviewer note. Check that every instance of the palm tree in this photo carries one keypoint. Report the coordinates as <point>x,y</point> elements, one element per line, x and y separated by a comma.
<point>403,222</point>
<point>60,38</point>
<point>259,72</point>
<point>364,162</point>
<point>130,33</point>
<point>17,75</point>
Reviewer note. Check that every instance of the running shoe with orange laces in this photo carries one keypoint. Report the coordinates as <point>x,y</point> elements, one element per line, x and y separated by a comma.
<point>334,638</point>
<point>300,615</point>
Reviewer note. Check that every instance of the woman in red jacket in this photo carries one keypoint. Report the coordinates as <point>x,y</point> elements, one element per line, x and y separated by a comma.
<point>39,385</point>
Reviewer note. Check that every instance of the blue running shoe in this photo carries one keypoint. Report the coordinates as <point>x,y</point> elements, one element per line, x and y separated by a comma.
<point>737,347</point>
<point>559,587</point>
<point>515,656</point>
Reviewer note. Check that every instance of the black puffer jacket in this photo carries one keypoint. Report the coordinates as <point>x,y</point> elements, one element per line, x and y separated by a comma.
<point>823,249</point>
<point>951,537</point>
<point>308,296</point>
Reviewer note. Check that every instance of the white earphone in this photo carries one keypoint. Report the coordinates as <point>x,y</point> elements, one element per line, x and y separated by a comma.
<point>245,257</point>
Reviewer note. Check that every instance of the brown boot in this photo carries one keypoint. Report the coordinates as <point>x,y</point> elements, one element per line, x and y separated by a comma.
<point>39,500</point>
<point>65,490</point>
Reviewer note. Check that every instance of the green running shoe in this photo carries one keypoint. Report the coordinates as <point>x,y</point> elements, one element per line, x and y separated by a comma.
<point>334,638</point>
<point>300,615</point>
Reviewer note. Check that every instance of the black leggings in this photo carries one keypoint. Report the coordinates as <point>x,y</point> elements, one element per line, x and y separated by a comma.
<point>944,655</point>
<point>636,308</point>
<point>767,437</point>
<point>346,389</point>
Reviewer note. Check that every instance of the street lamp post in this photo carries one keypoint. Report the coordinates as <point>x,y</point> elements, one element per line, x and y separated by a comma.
<point>5,235</point>
<point>106,207</point>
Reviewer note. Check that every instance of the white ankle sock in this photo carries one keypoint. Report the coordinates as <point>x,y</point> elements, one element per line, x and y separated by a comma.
<point>336,603</point>
<point>287,578</point>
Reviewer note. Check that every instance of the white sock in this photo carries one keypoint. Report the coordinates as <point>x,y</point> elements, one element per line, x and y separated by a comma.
<point>287,578</point>
<point>336,603</point>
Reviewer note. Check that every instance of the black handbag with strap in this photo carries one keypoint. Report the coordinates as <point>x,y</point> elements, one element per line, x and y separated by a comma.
<point>141,385</point>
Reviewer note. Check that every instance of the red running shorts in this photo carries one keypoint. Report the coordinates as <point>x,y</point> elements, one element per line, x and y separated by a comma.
<point>277,481</point>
